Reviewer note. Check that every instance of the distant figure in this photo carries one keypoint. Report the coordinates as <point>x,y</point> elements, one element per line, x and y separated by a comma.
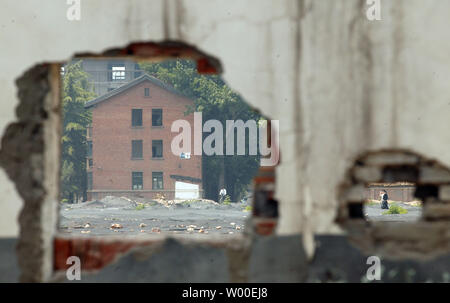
<point>222,194</point>
<point>384,199</point>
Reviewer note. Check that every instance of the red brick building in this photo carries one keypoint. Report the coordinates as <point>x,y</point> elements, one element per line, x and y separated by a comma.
<point>129,143</point>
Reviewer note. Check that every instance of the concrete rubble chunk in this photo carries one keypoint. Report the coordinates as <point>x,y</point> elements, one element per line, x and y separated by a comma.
<point>277,259</point>
<point>388,158</point>
<point>444,192</point>
<point>415,231</point>
<point>434,174</point>
<point>437,211</point>
<point>355,193</point>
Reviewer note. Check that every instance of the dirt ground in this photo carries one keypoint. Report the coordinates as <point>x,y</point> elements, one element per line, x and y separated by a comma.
<point>120,216</point>
<point>374,212</point>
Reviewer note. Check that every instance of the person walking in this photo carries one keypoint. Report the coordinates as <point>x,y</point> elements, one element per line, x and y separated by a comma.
<point>384,199</point>
<point>222,194</point>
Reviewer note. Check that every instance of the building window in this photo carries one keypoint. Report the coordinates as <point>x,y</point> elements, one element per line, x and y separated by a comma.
<point>157,180</point>
<point>137,180</point>
<point>89,181</point>
<point>116,72</point>
<point>137,71</point>
<point>147,92</point>
<point>90,163</point>
<point>157,149</point>
<point>136,117</point>
<point>136,149</point>
<point>157,117</point>
<point>89,150</point>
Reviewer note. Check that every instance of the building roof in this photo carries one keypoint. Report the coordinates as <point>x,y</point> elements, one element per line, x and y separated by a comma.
<point>138,80</point>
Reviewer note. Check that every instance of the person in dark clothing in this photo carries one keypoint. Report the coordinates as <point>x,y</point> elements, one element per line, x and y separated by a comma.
<point>384,199</point>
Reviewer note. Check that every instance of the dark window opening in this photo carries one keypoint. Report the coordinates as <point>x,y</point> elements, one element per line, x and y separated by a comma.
<point>136,117</point>
<point>136,149</point>
<point>137,180</point>
<point>146,92</point>
<point>356,210</point>
<point>90,163</point>
<point>157,117</point>
<point>137,71</point>
<point>157,180</point>
<point>157,148</point>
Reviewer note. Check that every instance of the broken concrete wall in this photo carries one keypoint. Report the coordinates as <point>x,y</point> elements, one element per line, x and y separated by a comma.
<point>339,84</point>
<point>366,85</point>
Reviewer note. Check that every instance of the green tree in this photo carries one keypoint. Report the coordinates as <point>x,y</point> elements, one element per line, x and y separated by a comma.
<point>76,91</point>
<point>216,101</point>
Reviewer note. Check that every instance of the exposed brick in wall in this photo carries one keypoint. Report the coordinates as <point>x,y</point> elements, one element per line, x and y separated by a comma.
<point>206,64</point>
<point>94,253</point>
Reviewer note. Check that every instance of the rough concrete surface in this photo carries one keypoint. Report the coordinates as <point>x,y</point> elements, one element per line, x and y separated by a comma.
<point>337,260</point>
<point>184,217</point>
<point>173,262</point>
<point>302,62</point>
<point>375,213</point>
<point>9,269</point>
<point>278,259</point>
<point>22,156</point>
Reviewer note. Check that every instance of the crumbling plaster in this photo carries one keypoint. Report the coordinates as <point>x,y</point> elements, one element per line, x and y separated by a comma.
<point>338,83</point>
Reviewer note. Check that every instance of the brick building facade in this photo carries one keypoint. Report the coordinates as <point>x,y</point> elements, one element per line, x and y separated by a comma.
<point>129,143</point>
<point>401,191</point>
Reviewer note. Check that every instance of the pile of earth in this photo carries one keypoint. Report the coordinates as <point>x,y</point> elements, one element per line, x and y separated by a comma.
<point>127,203</point>
<point>107,202</point>
<point>205,204</point>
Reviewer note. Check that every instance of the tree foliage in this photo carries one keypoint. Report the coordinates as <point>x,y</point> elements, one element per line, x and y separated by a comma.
<point>76,91</point>
<point>216,101</point>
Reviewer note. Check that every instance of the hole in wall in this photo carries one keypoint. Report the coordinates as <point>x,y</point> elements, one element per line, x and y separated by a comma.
<point>416,190</point>
<point>153,96</point>
<point>392,202</point>
<point>122,174</point>
<point>39,92</point>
